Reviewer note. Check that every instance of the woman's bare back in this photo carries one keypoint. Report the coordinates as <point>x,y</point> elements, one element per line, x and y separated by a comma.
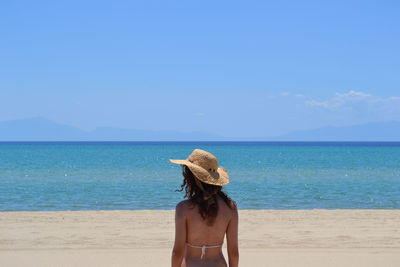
<point>198,233</point>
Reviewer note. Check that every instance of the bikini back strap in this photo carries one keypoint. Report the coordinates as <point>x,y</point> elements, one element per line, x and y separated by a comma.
<point>203,248</point>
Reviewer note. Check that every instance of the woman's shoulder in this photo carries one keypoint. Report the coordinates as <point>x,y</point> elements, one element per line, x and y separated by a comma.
<point>230,203</point>
<point>183,205</point>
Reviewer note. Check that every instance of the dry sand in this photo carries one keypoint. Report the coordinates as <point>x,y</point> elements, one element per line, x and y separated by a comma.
<point>144,238</point>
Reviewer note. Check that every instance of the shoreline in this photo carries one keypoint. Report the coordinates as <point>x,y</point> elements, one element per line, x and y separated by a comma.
<point>172,210</point>
<point>367,237</point>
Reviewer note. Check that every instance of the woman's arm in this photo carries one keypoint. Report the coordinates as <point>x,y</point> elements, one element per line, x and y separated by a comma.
<point>180,236</point>
<point>232,240</point>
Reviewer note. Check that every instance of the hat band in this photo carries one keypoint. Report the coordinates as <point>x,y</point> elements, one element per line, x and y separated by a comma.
<point>210,169</point>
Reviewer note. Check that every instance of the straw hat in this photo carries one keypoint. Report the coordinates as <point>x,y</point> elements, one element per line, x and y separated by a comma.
<point>204,166</point>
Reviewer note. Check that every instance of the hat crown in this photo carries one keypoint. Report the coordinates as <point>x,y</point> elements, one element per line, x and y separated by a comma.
<point>204,159</point>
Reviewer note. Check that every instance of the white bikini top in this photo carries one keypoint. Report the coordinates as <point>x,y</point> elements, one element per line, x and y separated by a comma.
<point>203,248</point>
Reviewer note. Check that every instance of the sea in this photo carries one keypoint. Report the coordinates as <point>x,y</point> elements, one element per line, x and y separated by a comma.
<point>55,176</point>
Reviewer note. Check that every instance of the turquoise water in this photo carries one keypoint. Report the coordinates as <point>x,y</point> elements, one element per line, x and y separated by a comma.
<point>138,175</point>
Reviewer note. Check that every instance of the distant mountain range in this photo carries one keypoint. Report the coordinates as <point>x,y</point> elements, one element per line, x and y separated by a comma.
<point>377,131</point>
<point>41,129</point>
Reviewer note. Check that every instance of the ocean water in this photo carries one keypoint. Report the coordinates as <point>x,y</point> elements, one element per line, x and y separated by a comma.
<point>137,175</point>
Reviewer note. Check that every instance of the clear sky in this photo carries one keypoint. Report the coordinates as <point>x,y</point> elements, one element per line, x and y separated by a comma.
<point>248,68</point>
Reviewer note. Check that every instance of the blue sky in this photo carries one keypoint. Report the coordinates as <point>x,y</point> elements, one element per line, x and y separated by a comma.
<point>249,68</point>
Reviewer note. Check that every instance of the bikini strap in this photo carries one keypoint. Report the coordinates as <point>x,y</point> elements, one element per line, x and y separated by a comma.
<point>203,248</point>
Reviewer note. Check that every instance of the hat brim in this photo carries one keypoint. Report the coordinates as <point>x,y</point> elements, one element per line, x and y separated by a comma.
<point>220,177</point>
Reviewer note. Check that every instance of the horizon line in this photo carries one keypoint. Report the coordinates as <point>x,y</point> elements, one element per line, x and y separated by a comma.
<point>200,141</point>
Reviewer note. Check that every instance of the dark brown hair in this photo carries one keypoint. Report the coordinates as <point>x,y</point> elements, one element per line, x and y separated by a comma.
<point>206,200</point>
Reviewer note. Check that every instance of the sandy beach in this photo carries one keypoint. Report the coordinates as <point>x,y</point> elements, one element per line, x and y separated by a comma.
<point>144,238</point>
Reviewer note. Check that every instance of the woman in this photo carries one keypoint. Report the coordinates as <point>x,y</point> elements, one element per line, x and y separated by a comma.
<point>203,219</point>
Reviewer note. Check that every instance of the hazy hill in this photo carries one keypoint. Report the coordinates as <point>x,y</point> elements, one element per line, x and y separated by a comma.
<point>38,129</point>
<point>41,129</point>
<point>379,131</point>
